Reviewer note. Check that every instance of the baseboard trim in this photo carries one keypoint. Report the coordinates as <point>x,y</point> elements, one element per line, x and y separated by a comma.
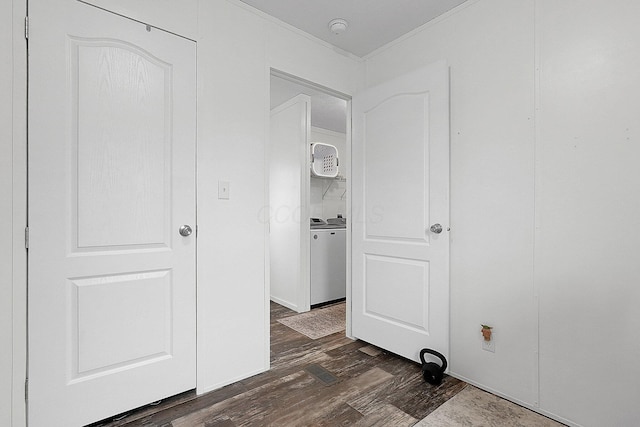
<point>285,304</point>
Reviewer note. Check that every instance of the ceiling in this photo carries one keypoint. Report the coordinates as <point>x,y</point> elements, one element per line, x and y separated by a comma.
<point>371,23</point>
<point>327,111</point>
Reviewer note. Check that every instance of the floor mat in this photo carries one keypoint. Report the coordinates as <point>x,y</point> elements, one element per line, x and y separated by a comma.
<point>318,323</point>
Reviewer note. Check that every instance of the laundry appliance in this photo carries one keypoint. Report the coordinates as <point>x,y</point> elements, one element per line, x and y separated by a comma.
<point>328,260</point>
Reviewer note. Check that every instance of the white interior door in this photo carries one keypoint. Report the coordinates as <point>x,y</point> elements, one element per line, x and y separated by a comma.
<point>400,183</point>
<point>289,180</point>
<point>112,132</point>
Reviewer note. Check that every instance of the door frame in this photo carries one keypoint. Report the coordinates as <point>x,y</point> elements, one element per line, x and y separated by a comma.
<point>16,214</point>
<point>276,72</point>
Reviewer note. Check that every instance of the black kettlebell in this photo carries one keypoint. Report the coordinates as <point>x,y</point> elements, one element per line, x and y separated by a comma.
<point>432,372</point>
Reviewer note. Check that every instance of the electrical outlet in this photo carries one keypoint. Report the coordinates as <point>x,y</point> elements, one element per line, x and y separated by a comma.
<point>489,345</point>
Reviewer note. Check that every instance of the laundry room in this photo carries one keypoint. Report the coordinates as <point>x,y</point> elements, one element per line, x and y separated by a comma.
<point>309,161</point>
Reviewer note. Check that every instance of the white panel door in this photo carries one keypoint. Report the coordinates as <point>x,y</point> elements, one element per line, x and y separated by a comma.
<point>289,180</point>
<point>112,123</point>
<point>400,182</point>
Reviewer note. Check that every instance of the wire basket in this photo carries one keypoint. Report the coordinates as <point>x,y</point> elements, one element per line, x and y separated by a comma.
<point>324,160</point>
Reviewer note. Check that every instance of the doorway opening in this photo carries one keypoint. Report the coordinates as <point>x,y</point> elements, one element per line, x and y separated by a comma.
<point>309,207</point>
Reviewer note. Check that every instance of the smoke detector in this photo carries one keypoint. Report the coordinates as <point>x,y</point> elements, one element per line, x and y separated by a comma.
<point>338,26</point>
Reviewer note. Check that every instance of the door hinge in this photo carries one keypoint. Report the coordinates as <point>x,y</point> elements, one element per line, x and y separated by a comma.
<point>26,27</point>
<point>26,237</point>
<point>26,389</point>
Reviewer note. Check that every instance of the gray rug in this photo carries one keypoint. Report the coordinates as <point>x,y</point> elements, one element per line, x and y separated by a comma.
<point>319,322</point>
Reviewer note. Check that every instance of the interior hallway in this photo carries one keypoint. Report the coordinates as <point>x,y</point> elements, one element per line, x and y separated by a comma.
<point>327,382</point>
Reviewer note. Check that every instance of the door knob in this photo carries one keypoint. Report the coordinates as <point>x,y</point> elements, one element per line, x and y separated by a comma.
<point>436,228</point>
<point>185,230</point>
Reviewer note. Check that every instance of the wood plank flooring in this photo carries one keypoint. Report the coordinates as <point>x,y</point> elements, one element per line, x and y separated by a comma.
<point>329,381</point>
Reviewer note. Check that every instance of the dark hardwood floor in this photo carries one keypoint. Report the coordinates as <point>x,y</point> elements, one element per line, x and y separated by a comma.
<point>331,381</point>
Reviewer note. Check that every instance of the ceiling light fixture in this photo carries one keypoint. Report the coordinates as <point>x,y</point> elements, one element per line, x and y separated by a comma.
<point>338,26</point>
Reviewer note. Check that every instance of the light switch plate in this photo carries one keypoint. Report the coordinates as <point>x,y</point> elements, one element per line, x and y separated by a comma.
<point>223,190</point>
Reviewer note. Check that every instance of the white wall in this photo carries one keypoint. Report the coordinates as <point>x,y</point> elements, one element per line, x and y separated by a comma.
<point>232,114</point>
<point>544,198</point>
<point>12,212</point>
<point>237,46</point>
<point>288,154</point>
<point>588,210</point>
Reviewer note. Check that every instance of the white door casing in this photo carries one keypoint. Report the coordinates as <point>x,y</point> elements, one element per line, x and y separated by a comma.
<point>289,181</point>
<point>400,187</point>
<point>112,133</point>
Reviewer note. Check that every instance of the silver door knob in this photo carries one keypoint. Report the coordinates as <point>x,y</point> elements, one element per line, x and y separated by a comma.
<point>436,228</point>
<point>185,230</point>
